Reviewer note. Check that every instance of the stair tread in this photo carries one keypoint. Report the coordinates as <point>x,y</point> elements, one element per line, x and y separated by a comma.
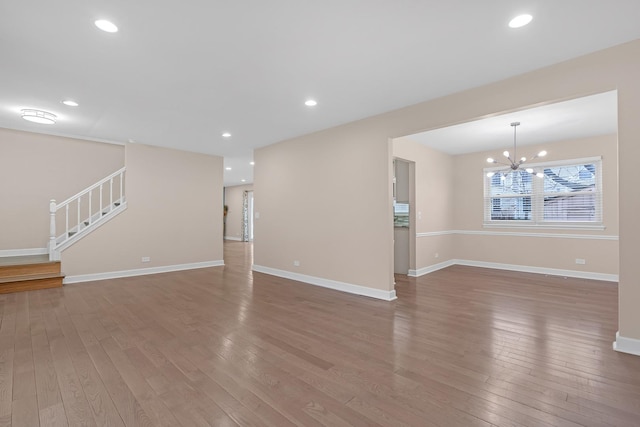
<point>28,277</point>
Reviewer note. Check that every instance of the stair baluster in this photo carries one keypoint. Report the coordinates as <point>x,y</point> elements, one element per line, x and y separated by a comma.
<point>85,223</point>
<point>52,225</point>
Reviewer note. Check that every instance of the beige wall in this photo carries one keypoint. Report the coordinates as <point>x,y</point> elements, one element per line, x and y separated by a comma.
<point>233,198</point>
<point>468,179</point>
<point>174,215</point>
<point>35,168</point>
<point>449,197</point>
<point>345,232</point>
<point>433,207</point>
<point>560,253</point>
<point>324,200</point>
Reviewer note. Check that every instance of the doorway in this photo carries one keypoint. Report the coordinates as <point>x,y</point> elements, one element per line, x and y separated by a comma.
<point>247,216</point>
<point>250,214</point>
<point>403,207</point>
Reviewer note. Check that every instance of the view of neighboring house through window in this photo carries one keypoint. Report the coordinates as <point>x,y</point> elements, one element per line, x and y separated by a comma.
<point>568,192</point>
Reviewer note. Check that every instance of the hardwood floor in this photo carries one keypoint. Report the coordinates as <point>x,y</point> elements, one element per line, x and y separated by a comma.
<point>226,347</point>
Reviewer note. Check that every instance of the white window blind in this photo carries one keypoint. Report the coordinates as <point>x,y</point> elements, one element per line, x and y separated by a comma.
<point>569,192</point>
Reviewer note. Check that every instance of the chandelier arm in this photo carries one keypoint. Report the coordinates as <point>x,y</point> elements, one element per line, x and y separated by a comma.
<point>500,163</point>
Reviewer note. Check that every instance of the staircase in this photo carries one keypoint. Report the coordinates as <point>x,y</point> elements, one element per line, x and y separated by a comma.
<point>26,273</point>
<point>69,221</point>
<point>80,214</point>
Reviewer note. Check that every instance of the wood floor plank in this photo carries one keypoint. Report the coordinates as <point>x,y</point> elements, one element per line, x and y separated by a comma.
<point>238,410</point>
<point>6,376</point>
<point>53,416</point>
<point>225,346</point>
<point>47,390</point>
<point>25,403</point>
<point>75,402</point>
<point>127,405</point>
<point>7,337</point>
<point>25,413</point>
<point>102,407</point>
<point>148,400</point>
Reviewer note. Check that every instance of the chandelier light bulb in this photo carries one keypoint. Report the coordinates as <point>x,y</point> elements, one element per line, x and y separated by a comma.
<point>502,177</point>
<point>540,175</point>
<point>523,159</point>
<point>490,160</point>
<point>505,153</point>
<point>490,174</point>
<point>529,170</point>
<point>542,153</point>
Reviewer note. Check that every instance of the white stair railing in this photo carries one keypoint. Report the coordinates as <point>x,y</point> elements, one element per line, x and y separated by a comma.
<point>81,213</point>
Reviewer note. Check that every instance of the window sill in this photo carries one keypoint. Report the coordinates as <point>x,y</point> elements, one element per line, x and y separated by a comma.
<point>573,226</point>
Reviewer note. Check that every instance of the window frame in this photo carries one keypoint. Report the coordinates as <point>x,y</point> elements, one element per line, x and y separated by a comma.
<point>537,198</point>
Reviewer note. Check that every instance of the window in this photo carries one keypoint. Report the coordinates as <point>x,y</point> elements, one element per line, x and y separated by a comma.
<point>568,193</point>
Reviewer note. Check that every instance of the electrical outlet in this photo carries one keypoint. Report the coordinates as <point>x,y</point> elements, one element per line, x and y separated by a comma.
<point>146,259</point>
<point>581,261</point>
<point>296,263</point>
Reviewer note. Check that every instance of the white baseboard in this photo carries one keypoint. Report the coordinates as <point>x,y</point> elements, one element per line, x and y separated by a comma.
<point>626,345</point>
<point>514,267</point>
<point>327,283</point>
<point>236,239</point>
<point>140,272</point>
<point>430,269</point>
<point>540,270</point>
<point>23,252</point>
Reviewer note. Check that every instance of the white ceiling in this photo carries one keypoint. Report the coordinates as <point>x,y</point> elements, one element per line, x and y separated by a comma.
<point>178,74</point>
<point>579,118</point>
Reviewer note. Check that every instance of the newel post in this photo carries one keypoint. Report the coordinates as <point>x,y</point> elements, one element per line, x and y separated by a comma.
<point>52,228</point>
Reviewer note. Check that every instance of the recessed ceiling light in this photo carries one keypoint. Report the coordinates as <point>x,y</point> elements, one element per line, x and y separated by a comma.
<point>70,103</point>
<point>107,26</point>
<point>310,102</point>
<point>228,168</point>
<point>226,135</point>
<point>38,116</point>
<point>252,163</point>
<point>520,21</point>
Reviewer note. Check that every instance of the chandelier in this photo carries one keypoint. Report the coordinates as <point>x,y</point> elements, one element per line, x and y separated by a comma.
<point>514,164</point>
